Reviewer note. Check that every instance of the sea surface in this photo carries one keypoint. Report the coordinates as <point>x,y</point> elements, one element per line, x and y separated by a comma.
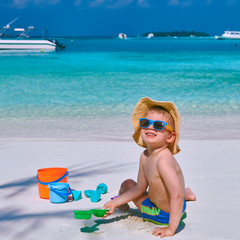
<point>88,91</point>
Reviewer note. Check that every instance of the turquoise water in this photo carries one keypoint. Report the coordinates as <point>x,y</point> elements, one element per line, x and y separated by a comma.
<point>88,91</point>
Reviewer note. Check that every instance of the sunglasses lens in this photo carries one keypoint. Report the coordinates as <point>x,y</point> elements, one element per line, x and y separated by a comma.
<point>158,125</point>
<point>144,123</point>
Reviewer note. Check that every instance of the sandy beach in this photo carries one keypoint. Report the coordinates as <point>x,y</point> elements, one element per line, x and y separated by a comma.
<point>211,169</point>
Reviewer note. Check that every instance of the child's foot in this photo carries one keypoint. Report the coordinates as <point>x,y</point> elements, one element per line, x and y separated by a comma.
<point>190,196</point>
<point>124,207</point>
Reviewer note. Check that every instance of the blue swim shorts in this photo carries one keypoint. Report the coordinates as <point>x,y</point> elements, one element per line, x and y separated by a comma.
<point>152,213</point>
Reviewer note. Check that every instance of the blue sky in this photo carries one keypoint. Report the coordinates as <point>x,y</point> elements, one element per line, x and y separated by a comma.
<point>133,17</point>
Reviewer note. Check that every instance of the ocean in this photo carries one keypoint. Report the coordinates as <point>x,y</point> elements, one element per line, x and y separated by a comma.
<point>89,90</point>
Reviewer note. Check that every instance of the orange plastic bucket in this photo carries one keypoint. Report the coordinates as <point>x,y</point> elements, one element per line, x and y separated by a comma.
<point>50,175</point>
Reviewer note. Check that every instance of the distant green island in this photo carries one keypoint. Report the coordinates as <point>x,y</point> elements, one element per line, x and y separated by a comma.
<point>177,34</point>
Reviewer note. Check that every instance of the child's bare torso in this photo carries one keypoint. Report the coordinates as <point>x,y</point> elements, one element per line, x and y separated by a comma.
<point>157,192</point>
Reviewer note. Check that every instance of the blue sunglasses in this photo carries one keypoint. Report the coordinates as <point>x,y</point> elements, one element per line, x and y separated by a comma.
<point>157,124</point>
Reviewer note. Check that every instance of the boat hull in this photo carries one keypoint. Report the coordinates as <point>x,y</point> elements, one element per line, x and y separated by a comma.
<point>232,35</point>
<point>27,45</point>
<point>226,38</point>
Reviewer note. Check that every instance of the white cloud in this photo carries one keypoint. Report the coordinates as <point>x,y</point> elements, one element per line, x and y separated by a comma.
<point>118,3</point>
<point>143,3</point>
<point>24,3</point>
<point>231,2</point>
<point>20,3</point>
<point>185,3</point>
<point>97,3</point>
<point>173,2</point>
<point>209,1</point>
<point>111,3</point>
<point>77,2</point>
<point>182,3</point>
<point>89,3</point>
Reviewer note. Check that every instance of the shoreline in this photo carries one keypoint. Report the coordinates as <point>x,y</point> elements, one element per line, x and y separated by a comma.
<point>119,139</point>
<point>192,128</point>
<point>210,167</point>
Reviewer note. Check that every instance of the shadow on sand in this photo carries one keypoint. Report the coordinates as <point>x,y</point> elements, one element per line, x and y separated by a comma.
<point>12,218</point>
<point>132,212</point>
<point>94,228</point>
<point>19,186</point>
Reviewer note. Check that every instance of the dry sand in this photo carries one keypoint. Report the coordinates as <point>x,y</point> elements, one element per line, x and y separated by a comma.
<point>211,169</point>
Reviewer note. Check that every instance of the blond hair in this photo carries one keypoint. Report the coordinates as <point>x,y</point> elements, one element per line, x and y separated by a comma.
<point>164,112</point>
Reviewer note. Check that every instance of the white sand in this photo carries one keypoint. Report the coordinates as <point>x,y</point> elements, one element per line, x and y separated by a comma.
<point>211,169</point>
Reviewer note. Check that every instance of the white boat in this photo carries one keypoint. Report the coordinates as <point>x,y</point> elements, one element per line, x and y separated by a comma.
<point>44,45</point>
<point>23,42</point>
<point>122,35</point>
<point>150,35</point>
<point>229,35</point>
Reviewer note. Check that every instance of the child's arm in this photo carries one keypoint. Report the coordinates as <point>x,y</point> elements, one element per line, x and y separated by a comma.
<point>131,194</point>
<point>173,184</point>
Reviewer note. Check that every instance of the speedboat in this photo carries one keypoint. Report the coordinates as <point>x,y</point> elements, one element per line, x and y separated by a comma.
<point>43,45</point>
<point>122,35</point>
<point>24,42</point>
<point>229,35</point>
<point>150,35</point>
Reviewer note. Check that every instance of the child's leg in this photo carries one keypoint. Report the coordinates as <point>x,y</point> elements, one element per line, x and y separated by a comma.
<point>190,196</point>
<point>125,186</point>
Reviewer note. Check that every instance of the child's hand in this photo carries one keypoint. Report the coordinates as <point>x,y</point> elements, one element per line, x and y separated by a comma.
<point>109,205</point>
<point>163,232</point>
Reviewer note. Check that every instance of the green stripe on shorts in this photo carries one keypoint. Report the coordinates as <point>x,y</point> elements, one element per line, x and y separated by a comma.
<point>154,211</point>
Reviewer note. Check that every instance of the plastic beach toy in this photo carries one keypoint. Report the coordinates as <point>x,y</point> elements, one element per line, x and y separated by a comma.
<point>93,195</point>
<point>99,212</point>
<point>102,188</point>
<point>77,195</point>
<point>87,214</point>
<point>59,192</point>
<point>46,176</point>
<point>83,214</point>
<point>114,197</point>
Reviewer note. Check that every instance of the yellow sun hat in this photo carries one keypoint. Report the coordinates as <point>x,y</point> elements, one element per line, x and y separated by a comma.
<point>141,110</point>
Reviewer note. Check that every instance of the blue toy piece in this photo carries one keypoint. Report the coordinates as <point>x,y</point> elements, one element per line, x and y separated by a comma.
<point>102,188</point>
<point>88,193</point>
<point>93,195</point>
<point>77,195</point>
<point>59,192</point>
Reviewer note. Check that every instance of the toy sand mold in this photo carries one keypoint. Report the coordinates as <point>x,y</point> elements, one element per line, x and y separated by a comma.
<point>87,214</point>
